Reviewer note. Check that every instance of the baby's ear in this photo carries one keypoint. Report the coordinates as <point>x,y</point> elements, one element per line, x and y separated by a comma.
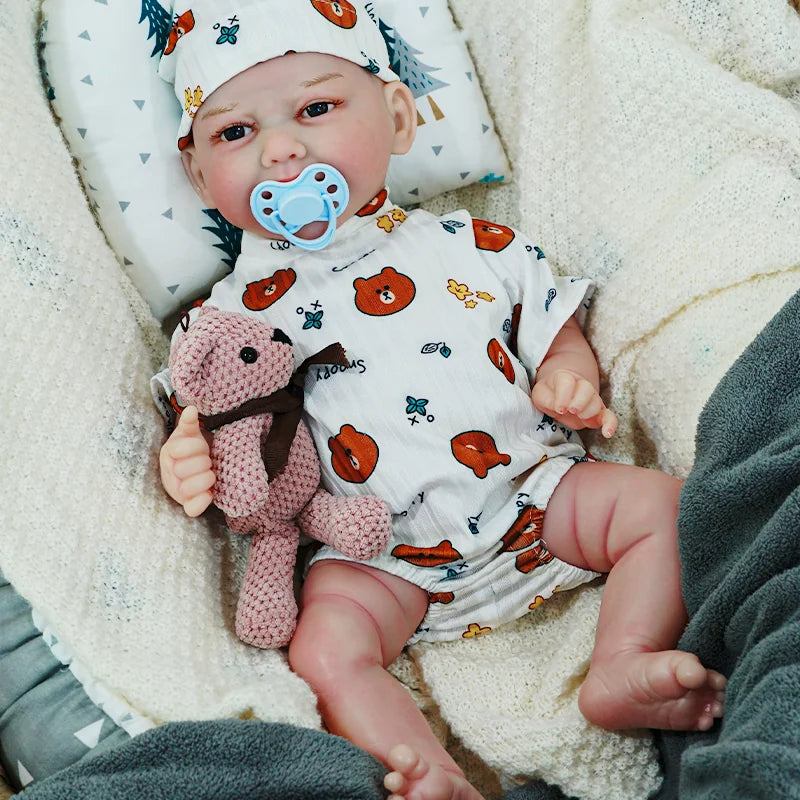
<point>400,102</point>
<point>194,172</point>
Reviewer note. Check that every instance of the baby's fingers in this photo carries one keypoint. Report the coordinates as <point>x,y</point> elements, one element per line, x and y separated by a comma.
<point>193,465</point>
<point>543,397</point>
<point>605,419</point>
<point>180,447</point>
<point>194,493</point>
<point>564,386</point>
<point>585,402</point>
<point>608,423</point>
<point>198,504</point>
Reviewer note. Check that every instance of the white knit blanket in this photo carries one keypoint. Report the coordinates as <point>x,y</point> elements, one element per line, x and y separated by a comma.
<point>656,148</point>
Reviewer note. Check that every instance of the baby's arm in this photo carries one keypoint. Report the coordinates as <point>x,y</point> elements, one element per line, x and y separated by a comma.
<point>185,462</point>
<point>568,381</point>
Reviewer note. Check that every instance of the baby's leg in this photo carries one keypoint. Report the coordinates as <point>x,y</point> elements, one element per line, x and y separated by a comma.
<point>354,621</point>
<point>622,520</point>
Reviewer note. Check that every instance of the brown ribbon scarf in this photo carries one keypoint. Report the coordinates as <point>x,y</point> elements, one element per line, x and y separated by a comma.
<point>286,407</point>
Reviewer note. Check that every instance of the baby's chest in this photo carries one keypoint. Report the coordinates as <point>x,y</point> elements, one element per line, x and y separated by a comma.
<point>421,302</point>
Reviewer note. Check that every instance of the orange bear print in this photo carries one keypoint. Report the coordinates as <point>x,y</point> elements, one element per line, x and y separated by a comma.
<point>370,208</point>
<point>386,293</point>
<point>491,235</point>
<point>354,455</point>
<point>262,294</point>
<point>528,561</point>
<point>501,359</point>
<point>443,553</point>
<point>526,530</point>
<point>339,12</point>
<point>181,27</point>
<point>478,451</point>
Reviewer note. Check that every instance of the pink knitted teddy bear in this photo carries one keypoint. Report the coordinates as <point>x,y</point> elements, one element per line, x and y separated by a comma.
<point>267,471</point>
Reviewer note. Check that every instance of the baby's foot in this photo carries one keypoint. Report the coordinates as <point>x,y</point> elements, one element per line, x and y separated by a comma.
<point>670,689</point>
<point>414,778</point>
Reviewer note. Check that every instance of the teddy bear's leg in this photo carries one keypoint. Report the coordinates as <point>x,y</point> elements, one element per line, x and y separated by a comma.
<point>359,527</point>
<point>267,610</point>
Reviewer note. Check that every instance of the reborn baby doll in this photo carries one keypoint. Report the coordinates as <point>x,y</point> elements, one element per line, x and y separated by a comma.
<point>468,375</point>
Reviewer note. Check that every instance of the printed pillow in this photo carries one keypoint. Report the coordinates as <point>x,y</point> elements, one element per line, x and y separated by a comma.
<point>119,119</point>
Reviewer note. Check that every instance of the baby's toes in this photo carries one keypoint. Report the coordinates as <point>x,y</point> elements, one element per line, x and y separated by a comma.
<point>403,760</point>
<point>396,784</point>
<point>717,681</point>
<point>689,672</point>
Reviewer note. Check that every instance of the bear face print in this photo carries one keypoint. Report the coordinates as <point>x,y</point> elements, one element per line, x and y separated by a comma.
<point>339,12</point>
<point>526,530</point>
<point>385,293</point>
<point>443,553</point>
<point>501,359</point>
<point>537,556</point>
<point>180,27</point>
<point>478,451</point>
<point>262,294</point>
<point>491,235</point>
<point>370,208</point>
<point>354,454</point>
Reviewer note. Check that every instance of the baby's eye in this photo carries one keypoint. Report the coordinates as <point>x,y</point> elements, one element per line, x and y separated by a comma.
<point>234,132</point>
<point>318,109</point>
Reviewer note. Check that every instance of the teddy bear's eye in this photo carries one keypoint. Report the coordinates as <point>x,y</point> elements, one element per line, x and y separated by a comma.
<point>248,355</point>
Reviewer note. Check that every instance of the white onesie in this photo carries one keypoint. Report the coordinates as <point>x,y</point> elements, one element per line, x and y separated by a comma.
<point>444,321</point>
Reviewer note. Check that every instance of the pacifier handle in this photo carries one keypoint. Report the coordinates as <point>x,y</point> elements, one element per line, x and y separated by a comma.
<point>324,239</point>
<point>318,194</point>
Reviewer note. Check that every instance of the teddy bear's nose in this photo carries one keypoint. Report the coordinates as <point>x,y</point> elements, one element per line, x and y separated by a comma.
<point>248,355</point>
<point>279,336</point>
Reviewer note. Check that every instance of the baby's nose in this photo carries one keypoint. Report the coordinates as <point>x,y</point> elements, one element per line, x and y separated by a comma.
<point>280,145</point>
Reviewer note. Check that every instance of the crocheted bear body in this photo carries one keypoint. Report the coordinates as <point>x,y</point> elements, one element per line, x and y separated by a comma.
<point>232,367</point>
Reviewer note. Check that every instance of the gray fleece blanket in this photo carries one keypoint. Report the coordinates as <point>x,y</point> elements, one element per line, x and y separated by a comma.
<point>221,760</point>
<point>739,530</point>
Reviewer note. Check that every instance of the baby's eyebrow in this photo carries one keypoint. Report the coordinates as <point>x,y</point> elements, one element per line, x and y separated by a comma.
<point>205,113</point>
<point>327,76</point>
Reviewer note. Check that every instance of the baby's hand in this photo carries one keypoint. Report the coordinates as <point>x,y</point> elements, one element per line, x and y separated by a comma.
<point>186,465</point>
<point>573,401</point>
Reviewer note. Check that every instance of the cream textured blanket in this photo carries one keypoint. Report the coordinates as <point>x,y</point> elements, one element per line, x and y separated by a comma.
<point>656,148</point>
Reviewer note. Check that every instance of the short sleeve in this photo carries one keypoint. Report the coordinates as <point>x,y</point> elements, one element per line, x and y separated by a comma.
<point>542,302</point>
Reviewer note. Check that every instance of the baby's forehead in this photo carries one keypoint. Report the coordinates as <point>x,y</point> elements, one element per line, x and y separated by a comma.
<point>290,73</point>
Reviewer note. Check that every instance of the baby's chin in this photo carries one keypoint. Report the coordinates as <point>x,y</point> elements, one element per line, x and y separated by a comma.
<point>311,231</point>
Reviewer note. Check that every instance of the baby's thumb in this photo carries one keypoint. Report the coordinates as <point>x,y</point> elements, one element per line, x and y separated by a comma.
<point>189,421</point>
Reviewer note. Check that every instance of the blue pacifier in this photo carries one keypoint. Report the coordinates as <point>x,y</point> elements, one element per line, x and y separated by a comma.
<point>318,194</point>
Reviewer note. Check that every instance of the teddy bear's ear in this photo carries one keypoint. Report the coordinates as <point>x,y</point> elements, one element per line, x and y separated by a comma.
<point>186,363</point>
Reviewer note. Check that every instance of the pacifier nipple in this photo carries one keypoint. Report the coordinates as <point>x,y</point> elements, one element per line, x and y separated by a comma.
<point>318,194</point>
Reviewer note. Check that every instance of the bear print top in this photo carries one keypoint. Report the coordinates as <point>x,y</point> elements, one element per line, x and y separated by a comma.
<point>444,321</point>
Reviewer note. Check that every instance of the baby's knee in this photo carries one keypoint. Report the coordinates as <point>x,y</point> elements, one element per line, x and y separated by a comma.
<point>309,653</point>
<point>322,653</point>
<point>659,487</point>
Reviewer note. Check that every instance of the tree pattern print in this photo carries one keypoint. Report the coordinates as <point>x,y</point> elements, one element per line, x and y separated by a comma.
<point>414,73</point>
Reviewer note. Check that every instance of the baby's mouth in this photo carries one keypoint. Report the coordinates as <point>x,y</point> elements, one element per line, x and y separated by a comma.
<point>302,209</point>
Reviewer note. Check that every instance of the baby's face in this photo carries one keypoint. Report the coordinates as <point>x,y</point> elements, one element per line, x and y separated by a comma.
<point>274,119</point>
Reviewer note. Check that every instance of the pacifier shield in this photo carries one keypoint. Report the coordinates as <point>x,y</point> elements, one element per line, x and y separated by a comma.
<point>318,194</point>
